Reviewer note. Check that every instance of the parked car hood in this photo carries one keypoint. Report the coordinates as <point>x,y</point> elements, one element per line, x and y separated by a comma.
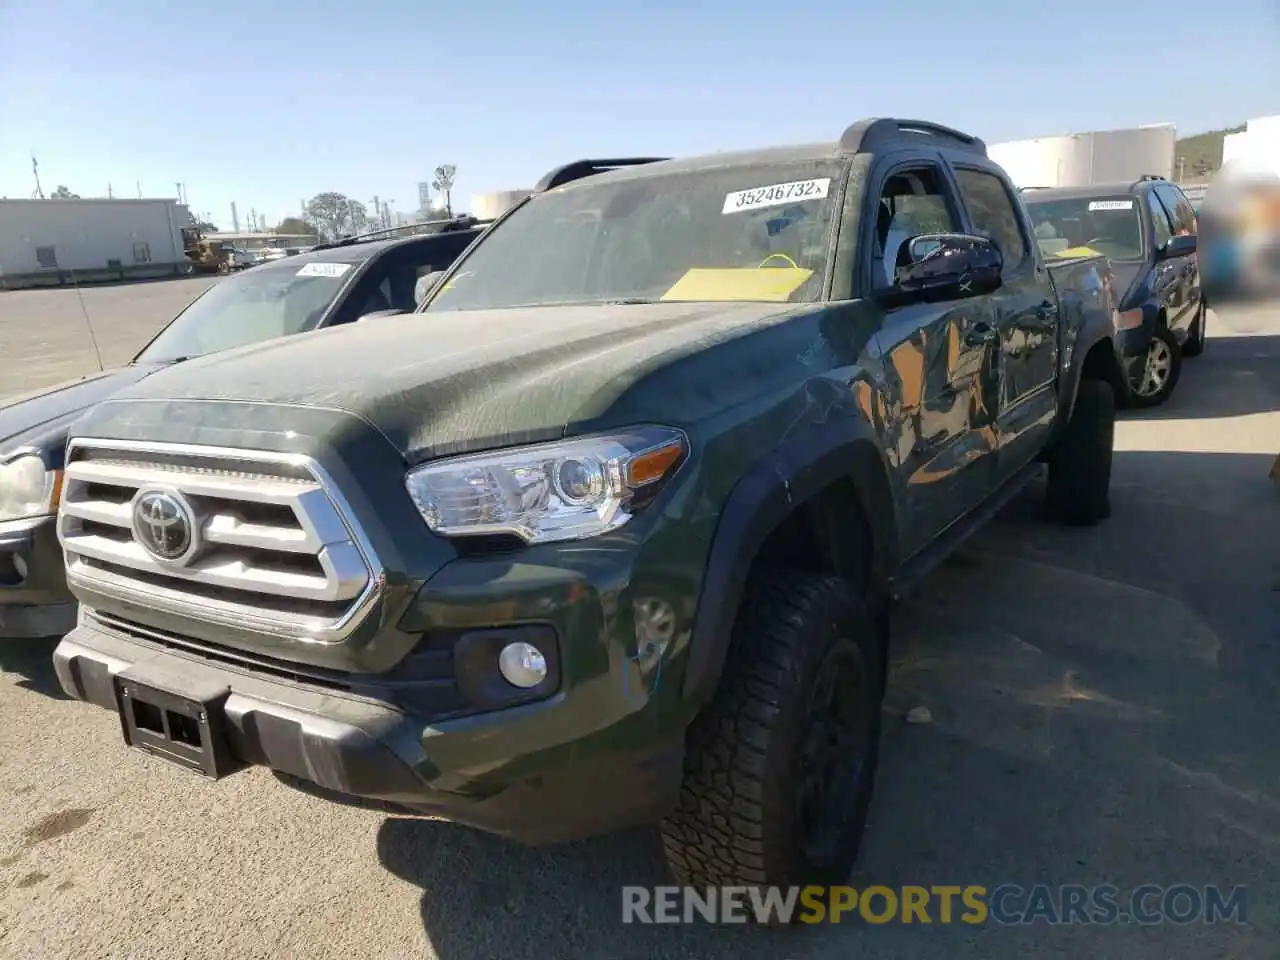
<point>40,418</point>
<point>446,381</point>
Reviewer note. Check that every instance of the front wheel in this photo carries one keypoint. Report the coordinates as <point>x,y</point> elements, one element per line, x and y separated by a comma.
<point>1160,370</point>
<point>780,764</point>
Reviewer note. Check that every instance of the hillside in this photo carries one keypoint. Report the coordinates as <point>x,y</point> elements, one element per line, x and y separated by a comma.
<point>1200,155</point>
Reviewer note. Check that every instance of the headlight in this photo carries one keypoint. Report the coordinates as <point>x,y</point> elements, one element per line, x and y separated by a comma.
<point>565,490</point>
<point>27,488</point>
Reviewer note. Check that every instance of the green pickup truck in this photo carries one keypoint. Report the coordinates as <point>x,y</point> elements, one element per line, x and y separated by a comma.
<point>607,533</point>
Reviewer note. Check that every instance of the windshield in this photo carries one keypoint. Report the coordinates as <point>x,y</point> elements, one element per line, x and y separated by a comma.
<point>259,304</point>
<point>731,233</point>
<point>1106,225</point>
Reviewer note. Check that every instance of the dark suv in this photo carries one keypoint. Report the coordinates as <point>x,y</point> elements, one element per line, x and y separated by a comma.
<point>1147,229</point>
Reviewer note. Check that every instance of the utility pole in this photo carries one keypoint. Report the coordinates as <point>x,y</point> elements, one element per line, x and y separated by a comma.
<point>35,170</point>
<point>139,182</point>
<point>235,218</point>
<point>1182,167</point>
<point>110,195</point>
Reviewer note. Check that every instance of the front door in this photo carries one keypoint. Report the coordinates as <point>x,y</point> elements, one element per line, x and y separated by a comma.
<point>939,363</point>
<point>1026,315</point>
<point>1184,270</point>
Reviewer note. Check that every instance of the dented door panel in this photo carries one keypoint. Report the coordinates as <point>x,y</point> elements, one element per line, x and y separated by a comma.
<point>940,361</point>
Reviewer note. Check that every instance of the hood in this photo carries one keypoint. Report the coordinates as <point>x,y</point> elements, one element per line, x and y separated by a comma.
<point>446,381</point>
<point>41,417</point>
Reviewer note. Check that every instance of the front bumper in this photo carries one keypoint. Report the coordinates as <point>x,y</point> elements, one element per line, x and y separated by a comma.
<point>34,598</point>
<point>582,762</point>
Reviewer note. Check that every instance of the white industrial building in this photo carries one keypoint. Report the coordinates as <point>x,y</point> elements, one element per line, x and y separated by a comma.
<point>1255,150</point>
<point>50,242</point>
<point>1081,159</point>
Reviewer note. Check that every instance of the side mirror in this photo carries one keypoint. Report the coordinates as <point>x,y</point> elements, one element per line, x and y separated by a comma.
<point>943,266</point>
<point>379,314</point>
<point>1183,246</point>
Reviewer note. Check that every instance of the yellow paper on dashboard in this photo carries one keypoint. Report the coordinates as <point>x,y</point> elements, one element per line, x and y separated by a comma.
<point>1076,252</point>
<point>772,284</point>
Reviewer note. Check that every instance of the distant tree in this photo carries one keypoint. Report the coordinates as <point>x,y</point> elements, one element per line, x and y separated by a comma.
<point>295,225</point>
<point>357,216</point>
<point>335,214</point>
<point>443,183</point>
<point>62,193</point>
<point>205,227</point>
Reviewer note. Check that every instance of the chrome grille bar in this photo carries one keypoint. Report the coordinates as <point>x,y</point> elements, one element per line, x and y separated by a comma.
<point>275,547</point>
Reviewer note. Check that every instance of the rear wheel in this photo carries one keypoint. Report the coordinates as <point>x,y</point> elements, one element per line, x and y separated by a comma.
<point>780,764</point>
<point>1079,491</point>
<point>1159,373</point>
<point>1195,339</point>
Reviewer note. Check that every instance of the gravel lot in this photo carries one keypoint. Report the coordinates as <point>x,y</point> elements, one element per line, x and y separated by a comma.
<point>1104,710</point>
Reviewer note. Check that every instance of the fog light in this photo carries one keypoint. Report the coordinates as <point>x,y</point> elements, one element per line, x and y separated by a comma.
<point>522,664</point>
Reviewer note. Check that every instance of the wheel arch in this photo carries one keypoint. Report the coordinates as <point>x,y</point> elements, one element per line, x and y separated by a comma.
<point>807,484</point>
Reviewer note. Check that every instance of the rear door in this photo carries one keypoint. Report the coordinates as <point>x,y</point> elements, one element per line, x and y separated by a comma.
<point>1026,317</point>
<point>937,356</point>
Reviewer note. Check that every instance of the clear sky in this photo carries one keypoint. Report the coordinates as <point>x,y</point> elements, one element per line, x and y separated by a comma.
<point>269,102</point>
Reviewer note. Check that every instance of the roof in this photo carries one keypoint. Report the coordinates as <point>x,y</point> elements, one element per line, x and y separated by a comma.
<point>1034,194</point>
<point>85,201</point>
<point>872,135</point>
<point>363,249</point>
<point>713,161</point>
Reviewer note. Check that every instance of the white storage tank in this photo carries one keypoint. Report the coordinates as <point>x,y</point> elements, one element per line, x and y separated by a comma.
<point>1081,159</point>
<point>489,206</point>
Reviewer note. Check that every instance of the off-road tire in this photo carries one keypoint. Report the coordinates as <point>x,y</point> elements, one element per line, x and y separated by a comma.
<point>1138,400</point>
<point>1196,338</point>
<point>738,818</point>
<point>1080,464</point>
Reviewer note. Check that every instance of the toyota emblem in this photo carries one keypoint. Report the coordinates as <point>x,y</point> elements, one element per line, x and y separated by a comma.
<point>164,525</point>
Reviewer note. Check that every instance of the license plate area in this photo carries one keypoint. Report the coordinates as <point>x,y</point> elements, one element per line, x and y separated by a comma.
<point>187,728</point>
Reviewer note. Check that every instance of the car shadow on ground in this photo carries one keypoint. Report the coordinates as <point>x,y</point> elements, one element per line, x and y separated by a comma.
<point>31,661</point>
<point>1236,376</point>
<point>1101,710</point>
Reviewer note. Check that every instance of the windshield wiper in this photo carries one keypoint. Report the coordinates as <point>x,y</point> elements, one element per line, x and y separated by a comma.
<point>628,300</point>
<point>168,361</point>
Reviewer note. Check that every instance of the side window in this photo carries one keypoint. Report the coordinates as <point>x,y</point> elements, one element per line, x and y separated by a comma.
<point>993,214</point>
<point>1160,218</point>
<point>911,202</point>
<point>1180,210</point>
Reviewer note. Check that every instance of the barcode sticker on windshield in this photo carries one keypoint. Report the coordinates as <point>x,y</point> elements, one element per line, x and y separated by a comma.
<point>776,194</point>
<point>321,269</point>
<point>1110,205</point>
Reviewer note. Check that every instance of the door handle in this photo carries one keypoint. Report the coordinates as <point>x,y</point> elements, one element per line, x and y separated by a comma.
<point>980,335</point>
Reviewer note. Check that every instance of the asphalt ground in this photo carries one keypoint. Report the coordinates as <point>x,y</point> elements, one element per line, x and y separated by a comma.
<point>47,336</point>
<point>1102,709</point>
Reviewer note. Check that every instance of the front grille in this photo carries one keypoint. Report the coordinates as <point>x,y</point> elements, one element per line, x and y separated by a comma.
<point>273,547</point>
